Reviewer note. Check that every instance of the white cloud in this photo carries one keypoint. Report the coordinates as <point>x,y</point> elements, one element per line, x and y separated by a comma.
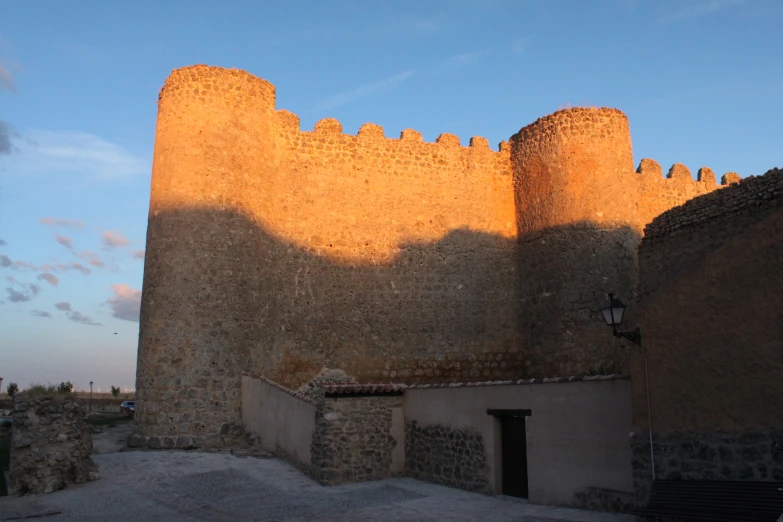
<point>369,89</point>
<point>126,303</point>
<point>72,153</point>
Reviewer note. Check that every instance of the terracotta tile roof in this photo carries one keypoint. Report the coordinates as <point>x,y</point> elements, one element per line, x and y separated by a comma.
<point>373,388</point>
<point>519,381</point>
<point>381,388</point>
<point>280,387</point>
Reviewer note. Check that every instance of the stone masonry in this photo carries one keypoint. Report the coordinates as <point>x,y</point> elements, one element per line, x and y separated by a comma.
<point>446,455</point>
<point>51,444</point>
<point>281,251</point>
<point>707,456</point>
<point>710,310</point>
<point>353,440</point>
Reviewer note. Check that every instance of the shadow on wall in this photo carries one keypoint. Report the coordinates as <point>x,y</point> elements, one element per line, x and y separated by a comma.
<point>222,296</point>
<point>565,274</point>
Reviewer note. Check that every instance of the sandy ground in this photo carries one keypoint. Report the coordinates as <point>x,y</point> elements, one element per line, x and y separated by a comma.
<point>174,486</point>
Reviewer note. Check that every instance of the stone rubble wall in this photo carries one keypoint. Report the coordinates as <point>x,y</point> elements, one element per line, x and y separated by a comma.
<point>353,439</point>
<point>682,237</point>
<point>706,456</point>
<point>51,443</point>
<point>751,195</point>
<point>446,455</point>
<point>709,309</point>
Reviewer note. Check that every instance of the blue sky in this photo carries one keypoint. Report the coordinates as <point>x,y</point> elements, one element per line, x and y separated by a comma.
<point>699,79</point>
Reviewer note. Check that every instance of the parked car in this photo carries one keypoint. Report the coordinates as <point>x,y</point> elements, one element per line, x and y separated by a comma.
<point>128,408</point>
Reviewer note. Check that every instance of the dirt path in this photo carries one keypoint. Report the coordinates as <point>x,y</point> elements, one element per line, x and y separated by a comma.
<point>112,439</point>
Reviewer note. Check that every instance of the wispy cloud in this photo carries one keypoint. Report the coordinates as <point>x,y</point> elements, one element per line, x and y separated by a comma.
<point>126,303</point>
<point>73,315</point>
<point>6,147</point>
<point>363,91</point>
<point>78,51</point>
<point>40,313</point>
<point>406,24</point>
<point>3,242</point>
<point>6,262</point>
<point>73,154</point>
<point>64,241</point>
<point>520,45</point>
<point>49,278</point>
<point>7,82</point>
<point>699,9</point>
<point>136,254</point>
<point>26,292</point>
<point>457,62</point>
<point>384,18</point>
<point>92,258</point>
<point>79,317</point>
<point>111,239</point>
<point>59,222</point>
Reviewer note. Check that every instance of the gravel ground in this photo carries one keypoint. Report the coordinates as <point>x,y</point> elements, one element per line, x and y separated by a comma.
<point>178,486</point>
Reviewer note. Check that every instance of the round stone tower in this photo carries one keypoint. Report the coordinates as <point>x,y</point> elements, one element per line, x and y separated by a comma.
<point>576,197</point>
<point>214,137</point>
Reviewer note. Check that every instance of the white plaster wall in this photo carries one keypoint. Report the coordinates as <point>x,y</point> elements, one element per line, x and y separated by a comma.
<point>577,434</point>
<point>278,419</point>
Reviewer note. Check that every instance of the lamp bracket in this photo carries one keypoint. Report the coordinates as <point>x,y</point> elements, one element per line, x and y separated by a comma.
<point>635,336</point>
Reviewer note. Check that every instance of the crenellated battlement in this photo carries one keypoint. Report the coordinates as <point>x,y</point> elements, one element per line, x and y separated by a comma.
<point>572,119</point>
<point>754,192</point>
<point>651,169</point>
<point>289,123</point>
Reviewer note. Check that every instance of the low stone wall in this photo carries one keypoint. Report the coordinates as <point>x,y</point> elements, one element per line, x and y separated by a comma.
<point>707,456</point>
<point>50,444</point>
<point>353,439</point>
<point>446,455</point>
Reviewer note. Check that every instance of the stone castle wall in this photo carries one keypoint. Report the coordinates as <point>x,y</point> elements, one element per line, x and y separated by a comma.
<point>281,251</point>
<point>710,310</point>
<point>581,211</point>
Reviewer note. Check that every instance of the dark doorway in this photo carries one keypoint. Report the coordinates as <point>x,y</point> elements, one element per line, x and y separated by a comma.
<point>514,454</point>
